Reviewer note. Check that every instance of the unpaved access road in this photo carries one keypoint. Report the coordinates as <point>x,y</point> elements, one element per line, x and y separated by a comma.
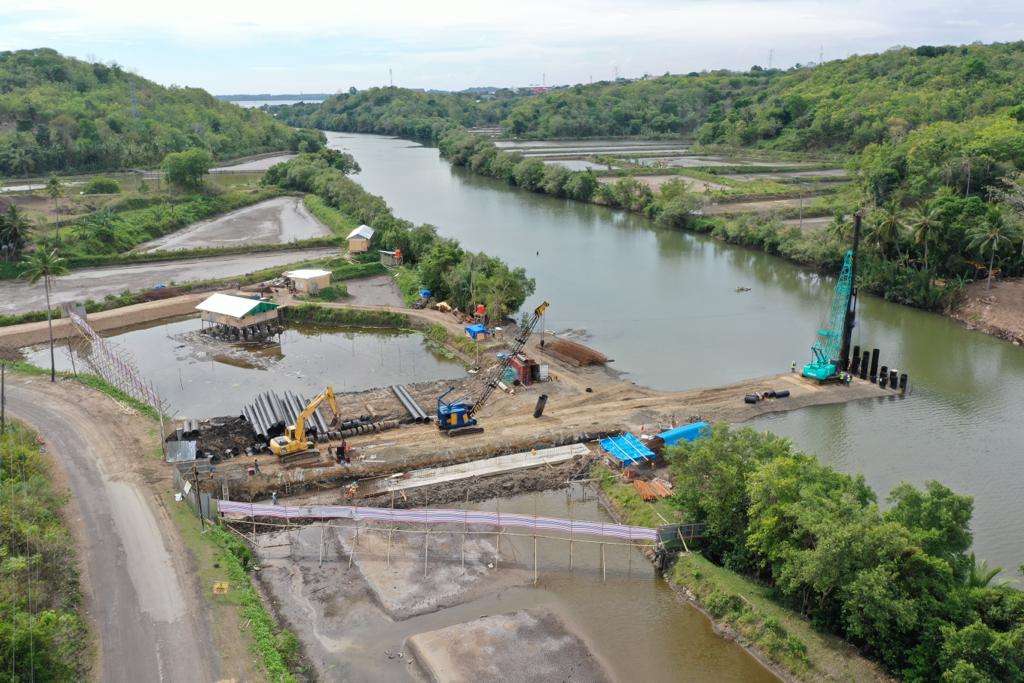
<point>276,221</point>
<point>17,296</point>
<point>147,613</point>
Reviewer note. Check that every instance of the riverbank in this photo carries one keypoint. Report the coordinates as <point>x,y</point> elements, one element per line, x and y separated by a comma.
<point>742,610</point>
<point>998,311</point>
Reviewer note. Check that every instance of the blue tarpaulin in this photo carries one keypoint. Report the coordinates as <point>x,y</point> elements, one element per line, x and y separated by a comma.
<point>477,329</point>
<point>425,293</point>
<point>626,448</point>
<point>690,432</point>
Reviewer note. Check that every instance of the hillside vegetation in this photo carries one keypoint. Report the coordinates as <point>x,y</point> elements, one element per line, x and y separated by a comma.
<point>62,114</point>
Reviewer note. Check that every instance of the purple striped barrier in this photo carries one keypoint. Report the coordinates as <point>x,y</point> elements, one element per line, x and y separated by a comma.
<point>508,520</point>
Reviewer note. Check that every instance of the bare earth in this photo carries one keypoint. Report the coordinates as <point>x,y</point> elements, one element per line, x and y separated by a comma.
<point>143,605</point>
<point>998,311</point>
<point>275,221</point>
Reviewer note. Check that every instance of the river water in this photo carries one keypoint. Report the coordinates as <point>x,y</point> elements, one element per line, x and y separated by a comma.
<point>663,304</point>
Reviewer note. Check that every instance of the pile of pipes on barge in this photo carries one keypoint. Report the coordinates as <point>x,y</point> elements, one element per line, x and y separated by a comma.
<point>269,415</point>
<point>417,413</point>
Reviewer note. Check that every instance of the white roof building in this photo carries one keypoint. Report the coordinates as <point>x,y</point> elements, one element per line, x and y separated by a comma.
<point>236,311</point>
<point>364,231</point>
<point>306,273</point>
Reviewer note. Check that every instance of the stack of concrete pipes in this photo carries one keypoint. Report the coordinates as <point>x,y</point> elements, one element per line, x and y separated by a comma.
<point>269,415</point>
<point>409,403</point>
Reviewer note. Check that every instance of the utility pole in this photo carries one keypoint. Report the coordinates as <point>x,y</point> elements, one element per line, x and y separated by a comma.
<point>821,54</point>
<point>391,77</point>
<point>771,53</point>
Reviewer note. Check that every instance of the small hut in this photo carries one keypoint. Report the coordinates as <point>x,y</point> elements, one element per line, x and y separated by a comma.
<point>309,280</point>
<point>359,240</point>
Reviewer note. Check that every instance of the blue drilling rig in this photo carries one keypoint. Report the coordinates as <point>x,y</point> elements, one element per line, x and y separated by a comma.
<point>831,351</point>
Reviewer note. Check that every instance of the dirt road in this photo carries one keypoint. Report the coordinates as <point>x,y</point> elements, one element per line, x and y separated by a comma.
<point>17,296</point>
<point>146,612</point>
<point>276,221</point>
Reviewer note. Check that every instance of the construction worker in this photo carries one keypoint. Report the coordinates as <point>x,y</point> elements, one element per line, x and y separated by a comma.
<point>256,465</point>
<point>792,366</point>
<point>273,497</point>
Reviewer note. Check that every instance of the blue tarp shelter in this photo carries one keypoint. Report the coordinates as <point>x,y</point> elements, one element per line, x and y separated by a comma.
<point>425,293</point>
<point>475,330</point>
<point>626,448</point>
<point>690,432</point>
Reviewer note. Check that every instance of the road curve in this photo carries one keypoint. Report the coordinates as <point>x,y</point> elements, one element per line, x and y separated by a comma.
<point>145,608</point>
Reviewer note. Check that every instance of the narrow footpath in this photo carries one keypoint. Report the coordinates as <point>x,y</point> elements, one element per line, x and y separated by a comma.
<point>145,610</point>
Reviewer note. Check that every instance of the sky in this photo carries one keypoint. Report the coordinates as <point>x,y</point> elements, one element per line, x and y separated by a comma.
<point>253,46</point>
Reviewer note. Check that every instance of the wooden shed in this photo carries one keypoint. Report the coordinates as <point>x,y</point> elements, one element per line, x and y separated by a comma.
<point>359,240</point>
<point>309,280</point>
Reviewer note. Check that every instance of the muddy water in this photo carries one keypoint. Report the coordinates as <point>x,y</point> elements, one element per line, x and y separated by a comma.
<point>663,304</point>
<point>203,377</point>
<point>631,621</point>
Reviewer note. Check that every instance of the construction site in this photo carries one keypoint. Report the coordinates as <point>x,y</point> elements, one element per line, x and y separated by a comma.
<point>438,529</point>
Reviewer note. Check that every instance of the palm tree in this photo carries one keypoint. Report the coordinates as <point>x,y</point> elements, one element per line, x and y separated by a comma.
<point>981,574</point>
<point>991,236</point>
<point>55,189</point>
<point>888,228</point>
<point>19,159</point>
<point>923,219</point>
<point>14,230</point>
<point>839,228</point>
<point>45,266</point>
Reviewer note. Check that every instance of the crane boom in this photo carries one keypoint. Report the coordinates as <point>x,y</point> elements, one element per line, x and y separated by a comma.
<point>457,417</point>
<point>827,348</point>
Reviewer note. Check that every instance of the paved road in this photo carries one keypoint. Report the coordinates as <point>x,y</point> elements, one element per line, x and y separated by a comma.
<point>145,607</point>
<point>17,296</point>
<point>276,221</point>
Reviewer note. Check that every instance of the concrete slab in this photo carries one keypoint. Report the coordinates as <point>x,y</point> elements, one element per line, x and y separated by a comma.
<point>480,468</point>
<point>528,645</point>
<point>403,589</point>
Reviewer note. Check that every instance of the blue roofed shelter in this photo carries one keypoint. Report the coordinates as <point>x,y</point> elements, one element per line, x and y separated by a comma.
<point>627,449</point>
<point>690,432</point>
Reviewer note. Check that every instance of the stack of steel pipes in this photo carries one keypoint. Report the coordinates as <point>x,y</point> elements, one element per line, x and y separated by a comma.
<point>409,403</point>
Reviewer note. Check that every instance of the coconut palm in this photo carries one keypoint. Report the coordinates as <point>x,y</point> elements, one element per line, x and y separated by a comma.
<point>888,227</point>
<point>840,228</point>
<point>55,189</point>
<point>924,219</point>
<point>992,236</point>
<point>981,575</point>
<point>19,160</point>
<point>14,230</point>
<point>45,265</point>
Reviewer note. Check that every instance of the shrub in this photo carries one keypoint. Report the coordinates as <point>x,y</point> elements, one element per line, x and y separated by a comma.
<point>101,185</point>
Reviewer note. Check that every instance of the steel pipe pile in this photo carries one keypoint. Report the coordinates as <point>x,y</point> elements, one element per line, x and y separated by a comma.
<point>409,403</point>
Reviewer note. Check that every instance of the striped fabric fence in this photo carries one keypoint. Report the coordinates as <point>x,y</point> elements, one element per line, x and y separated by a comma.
<point>575,527</point>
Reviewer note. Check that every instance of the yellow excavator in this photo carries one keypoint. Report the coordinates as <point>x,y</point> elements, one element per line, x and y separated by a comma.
<point>294,438</point>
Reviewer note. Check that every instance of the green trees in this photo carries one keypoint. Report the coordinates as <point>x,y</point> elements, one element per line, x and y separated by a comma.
<point>899,584</point>
<point>991,237</point>
<point>14,231</point>
<point>101,185</point>
<point>67,115</point>
<point>923,221</point>
<point>45,265</point>
<point>186,169</point>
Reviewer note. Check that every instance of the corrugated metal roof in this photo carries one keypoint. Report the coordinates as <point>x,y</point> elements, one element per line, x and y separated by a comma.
<point>234,306</point>
<point>364,231</point>
<point>306,273</point>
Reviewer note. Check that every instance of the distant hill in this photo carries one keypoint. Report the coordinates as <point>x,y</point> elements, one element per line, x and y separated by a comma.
<point>842,105</point>
<point>308,96</point>
<point>62,114</point>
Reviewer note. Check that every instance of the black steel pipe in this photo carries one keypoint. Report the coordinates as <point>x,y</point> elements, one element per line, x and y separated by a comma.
<point>864,360</point>
<point>405,403</point>
<point>542,401</point>
<point>883,376</point>
<point>894,379</point>
<point>874,366</point>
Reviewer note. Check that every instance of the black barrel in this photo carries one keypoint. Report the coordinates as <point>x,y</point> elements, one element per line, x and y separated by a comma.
<point>864,360</point>
<point>903,382</point>
<point>883,376</point>
<point>751,398</point>
<point>874,366</point>
<point>894,379</point>
<point>542,401</point>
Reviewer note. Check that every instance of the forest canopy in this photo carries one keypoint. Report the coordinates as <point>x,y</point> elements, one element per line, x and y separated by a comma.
<point>62,114</point>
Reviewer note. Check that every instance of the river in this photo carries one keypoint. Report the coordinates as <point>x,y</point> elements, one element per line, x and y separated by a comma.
<point>663,304</point>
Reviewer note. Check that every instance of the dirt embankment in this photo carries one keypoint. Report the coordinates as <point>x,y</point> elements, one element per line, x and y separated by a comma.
<point>998,311</point>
